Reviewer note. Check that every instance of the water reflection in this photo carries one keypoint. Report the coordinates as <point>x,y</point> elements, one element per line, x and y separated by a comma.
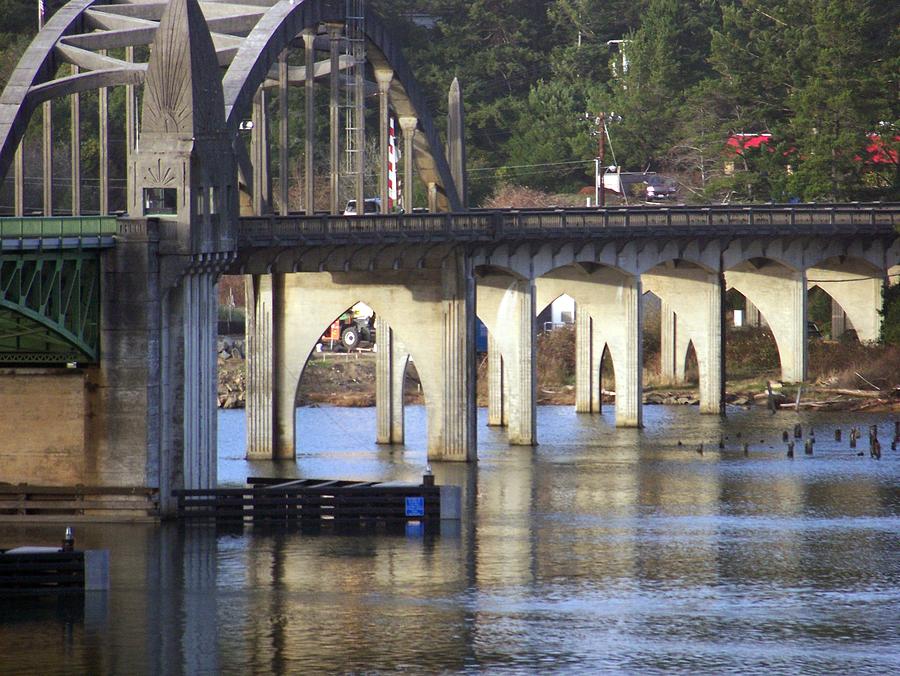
<point>600,549</point>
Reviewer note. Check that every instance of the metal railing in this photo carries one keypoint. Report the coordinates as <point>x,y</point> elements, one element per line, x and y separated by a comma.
<point>58,226</point>
<point>824,218</point>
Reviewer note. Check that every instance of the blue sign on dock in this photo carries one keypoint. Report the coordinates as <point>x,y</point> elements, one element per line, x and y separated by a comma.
<point>415,506</point>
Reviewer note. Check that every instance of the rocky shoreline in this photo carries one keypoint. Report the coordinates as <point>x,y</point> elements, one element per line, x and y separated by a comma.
<point>340,379</point>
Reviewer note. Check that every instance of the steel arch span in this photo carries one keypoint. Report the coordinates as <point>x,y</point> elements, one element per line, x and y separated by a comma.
<point>248,37</point>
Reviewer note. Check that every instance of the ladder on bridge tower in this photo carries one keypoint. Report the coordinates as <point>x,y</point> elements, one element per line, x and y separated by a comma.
<point>353,113</point>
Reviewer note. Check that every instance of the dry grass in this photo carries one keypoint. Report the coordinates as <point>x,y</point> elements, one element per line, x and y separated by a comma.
<point>850,365</point>
<point>519,197</point>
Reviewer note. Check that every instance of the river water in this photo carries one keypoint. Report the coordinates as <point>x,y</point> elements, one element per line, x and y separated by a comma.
<point>600,550</point>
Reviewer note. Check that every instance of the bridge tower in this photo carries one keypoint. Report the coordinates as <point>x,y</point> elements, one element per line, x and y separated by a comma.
<point>162,315</point>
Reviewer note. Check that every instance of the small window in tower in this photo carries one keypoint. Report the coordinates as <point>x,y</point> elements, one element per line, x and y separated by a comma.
<point>160,201</point>
<point>213,200</point>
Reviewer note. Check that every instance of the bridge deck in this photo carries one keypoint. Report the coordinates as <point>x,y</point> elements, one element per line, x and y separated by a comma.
<point>766,220</point>
<point>60,232</point>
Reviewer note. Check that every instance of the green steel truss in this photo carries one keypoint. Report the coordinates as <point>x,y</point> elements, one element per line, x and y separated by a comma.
<point>49,307</point>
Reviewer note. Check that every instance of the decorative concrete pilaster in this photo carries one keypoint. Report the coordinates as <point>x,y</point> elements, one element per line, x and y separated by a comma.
<point>522,373</point>
<point>19,180</point>
<point>390,371</point>
<point>408,126</point>
<point>752,313</point>
<point>75,150</point>
<point>838,320</point>
<point>259,154</point>
<point>496,409</point>
<point>432,196</point>
<point>270,404</point>
<point>629,377</point>
<point>334,35</point>
<point>586,375</point>
<point>712,377</point>
<point>454,438</point>
<point>384,76</point>
<point>668,329</point>
<point>456,142</point>
<point>794,363</point>
<point>260,400</point>
<point>309,42</point>
<point>48,157</point>
<point>283,139</point>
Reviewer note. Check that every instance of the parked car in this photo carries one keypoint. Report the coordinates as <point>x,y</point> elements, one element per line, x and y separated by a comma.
<point>660,188</point>
<point>372,205</point>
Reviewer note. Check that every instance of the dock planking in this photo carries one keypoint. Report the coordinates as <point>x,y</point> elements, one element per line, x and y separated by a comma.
<point>314,502</point>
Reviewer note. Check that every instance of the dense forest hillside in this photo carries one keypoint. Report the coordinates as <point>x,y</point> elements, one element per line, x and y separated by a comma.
<point>740,99</point>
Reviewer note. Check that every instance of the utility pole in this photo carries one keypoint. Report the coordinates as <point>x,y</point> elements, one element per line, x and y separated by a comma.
<point>601,157</point>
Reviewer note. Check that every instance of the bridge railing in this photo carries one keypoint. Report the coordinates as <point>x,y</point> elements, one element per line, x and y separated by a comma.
<point>59,226</point>
<point>490,224</point>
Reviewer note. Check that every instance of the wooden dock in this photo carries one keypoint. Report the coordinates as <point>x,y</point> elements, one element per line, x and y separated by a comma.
<point>317,502</point>
<point>24,502</point>
<point>27,570</point>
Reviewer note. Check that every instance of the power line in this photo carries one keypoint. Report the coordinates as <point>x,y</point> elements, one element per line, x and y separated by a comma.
<point>527,166</point>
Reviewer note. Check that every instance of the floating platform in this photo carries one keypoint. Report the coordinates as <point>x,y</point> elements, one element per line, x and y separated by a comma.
<point>29,570</point>
<point>316,502</point>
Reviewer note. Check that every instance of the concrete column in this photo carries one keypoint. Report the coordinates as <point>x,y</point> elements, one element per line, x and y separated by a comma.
<point>408,126</point>
<point>130,114</point>
<point>496,409</point>
<point>75,135</point>
<point>667,331</point>
<point>586,375</point>
<point>454,437</point>
<point>629,371</point>
<point>712,375</point>
<point>198,367</point>
<point>838,320</point>
<point>48,158</point>
<point>270,404</point>
<point>259,155</point>
<point>682,343</point>
<point>309,40</point>
<point>432,196</point>
<point>103,138</point>
<point>334,34</point>
<point>384,77</point>
<point>523,372</point>
<point>390,370</point>
<point>359,131</point>
<point>456,142</point>
<point>283,140</point>
<point>599,349</point>
<point>793,368</point>
<point>19,185</point>
<point>752,313</point>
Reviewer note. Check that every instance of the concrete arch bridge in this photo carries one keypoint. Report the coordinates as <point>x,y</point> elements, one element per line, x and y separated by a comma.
<point>139,406</point>
<point>428,276</point>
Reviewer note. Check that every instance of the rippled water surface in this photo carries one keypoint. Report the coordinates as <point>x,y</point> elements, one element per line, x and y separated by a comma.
<point>599,550</point>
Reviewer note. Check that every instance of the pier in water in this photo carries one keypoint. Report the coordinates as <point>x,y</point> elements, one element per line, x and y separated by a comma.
<point>600,549</point>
